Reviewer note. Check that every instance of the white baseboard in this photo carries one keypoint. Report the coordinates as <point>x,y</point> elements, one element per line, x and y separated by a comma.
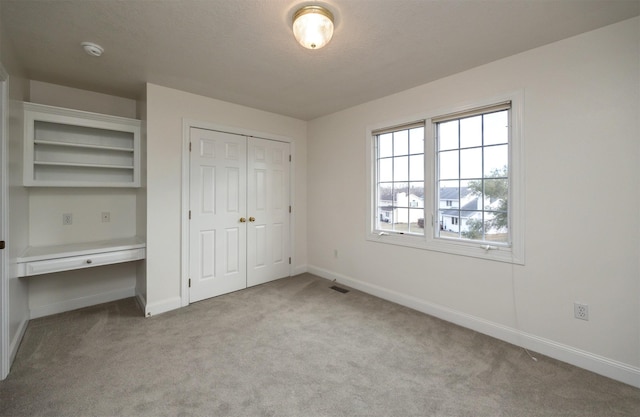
<point>152,309</point>
<point>595,363</point>
<point>299,269</point>
<point>17,339</point>
<point>81,302</point>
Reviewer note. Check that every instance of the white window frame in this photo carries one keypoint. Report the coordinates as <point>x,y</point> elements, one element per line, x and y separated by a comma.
<point>512,253</point>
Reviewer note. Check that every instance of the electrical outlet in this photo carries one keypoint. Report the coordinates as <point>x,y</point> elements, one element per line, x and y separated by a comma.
<point>106,217</point>
<point>581,311</point>
<point>67,219</point>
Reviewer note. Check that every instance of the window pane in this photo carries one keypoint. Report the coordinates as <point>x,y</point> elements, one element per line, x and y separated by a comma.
<point>471,163</point>
<point>400,190</point>
<point>471,132</point>
<point>449,223</point>
<point>385,194</point>
<point>496,128</point>
<point>400,203</point>
<point>385,145</point>
<point>416,140</point>
<point>472,226</point>
<point>385,170</point>
<point>496,193</point>
<point>385,204</point>
<point>496,228</point>
<point>496,160</point>
<point>401,142</point>
<point>416,221</point>
<point>469,193</point>
<point>385,219</point>
<point>417,189</point>
<point>448,135</point>
<point>449,194</point>
<point>416,167</point>
<point>448,165</point>
<point>401,168</point>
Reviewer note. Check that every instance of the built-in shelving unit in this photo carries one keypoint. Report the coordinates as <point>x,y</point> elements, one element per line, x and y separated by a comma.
<point>72,148</point>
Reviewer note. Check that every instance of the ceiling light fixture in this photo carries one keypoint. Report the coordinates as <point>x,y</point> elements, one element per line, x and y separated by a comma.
<point>313,26</point>
<point>92,49</point>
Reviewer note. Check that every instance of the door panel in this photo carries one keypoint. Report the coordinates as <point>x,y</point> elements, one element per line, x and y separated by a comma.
<point>268,204</point>
<point>217,200</point>
<point>234,177</point>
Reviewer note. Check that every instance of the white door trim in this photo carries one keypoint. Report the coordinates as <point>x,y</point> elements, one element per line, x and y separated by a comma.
<point>5,364</point>
<point>187,124</point>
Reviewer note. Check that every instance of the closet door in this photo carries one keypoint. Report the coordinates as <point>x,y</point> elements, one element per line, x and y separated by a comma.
<point>218,228</point>
<point>268,210</point>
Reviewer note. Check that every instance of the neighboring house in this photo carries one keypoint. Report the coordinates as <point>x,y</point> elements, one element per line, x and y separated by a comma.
<point>453,199</point>
<point>398,211</point>
<point>457,209</point>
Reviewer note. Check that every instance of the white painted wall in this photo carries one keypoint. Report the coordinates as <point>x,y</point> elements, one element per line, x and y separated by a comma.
<point>581,130</point>
<point>86,204</point>
<point>166,109</point>
<point>73,98</point>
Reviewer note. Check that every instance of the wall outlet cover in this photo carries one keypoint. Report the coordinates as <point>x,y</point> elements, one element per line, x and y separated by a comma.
<point>581,311</point>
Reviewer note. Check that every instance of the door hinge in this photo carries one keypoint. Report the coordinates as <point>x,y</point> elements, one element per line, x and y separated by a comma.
<point>189,214</point>
<point>2,244</point>
<point>189,282</point>
<point>189,146</point>
<point>289,209</point>
<point>289,260</point>
<point>289,158</point>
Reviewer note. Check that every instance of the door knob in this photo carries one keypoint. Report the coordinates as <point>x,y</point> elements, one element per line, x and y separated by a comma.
<point>252,219</point>
<point>242,220</point>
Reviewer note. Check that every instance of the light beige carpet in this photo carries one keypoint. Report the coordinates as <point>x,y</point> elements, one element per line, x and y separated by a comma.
<point>292,347</point>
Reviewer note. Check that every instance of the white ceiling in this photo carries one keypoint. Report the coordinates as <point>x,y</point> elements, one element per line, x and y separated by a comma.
<point>243,51</point>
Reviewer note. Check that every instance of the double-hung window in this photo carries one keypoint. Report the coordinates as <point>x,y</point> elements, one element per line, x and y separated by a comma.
<point>400,179</point>
<point>472,159</point>
<point>451,182</point>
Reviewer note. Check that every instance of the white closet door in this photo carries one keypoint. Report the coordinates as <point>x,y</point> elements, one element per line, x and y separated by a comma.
<point>268,210</point>
<point>218,184</point>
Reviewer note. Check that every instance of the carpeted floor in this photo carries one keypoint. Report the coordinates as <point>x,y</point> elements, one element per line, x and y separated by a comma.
<point>293,347</point>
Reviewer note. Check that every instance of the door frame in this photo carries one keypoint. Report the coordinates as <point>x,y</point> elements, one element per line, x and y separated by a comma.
<point>5,360</point>
<point>187,124</point>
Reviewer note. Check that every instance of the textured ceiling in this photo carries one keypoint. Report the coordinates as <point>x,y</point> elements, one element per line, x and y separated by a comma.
<point>243,51</point>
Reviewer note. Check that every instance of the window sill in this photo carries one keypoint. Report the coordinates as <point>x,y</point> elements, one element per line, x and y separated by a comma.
<point>474,250</point>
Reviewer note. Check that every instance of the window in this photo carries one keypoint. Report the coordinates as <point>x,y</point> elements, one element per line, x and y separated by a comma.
<point>472,157</point>
<point>451,183</point>
<point>399,181</point>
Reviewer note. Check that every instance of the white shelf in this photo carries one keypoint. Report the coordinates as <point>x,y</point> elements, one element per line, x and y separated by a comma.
<point>70,164</point>
<point>72,148</point>
<point>37,260</point>
<point>75,145</point>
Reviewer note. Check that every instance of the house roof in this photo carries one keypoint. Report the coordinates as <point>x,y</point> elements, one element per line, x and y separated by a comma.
<point>465,211</point>
<point>451,193</point>
<point>243,51</point>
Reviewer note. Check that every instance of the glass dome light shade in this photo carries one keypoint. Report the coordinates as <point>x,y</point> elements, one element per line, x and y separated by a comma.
<point>313,26</point>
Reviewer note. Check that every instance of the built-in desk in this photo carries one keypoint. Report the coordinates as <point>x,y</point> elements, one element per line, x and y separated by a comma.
<point>38,260</point>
